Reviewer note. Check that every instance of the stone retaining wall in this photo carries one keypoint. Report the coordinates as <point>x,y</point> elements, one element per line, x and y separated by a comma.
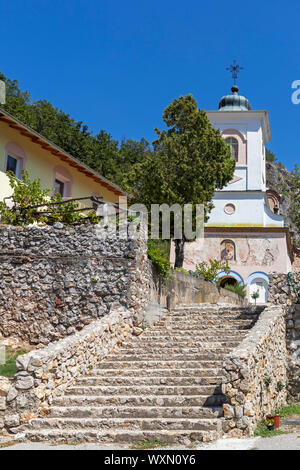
<point>254,372</point>
<point>55,280</point>
<point>281,293</point>
<point>85,289</point>
<point>46,373</point>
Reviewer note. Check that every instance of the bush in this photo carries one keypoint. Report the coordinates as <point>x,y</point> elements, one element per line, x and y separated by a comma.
<point>209,271</point>
<point>238,289</point>
<point>158,258</point>
<point>27,194</point>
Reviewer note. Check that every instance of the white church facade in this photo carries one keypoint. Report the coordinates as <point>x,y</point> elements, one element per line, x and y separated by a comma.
<point>245,227</point>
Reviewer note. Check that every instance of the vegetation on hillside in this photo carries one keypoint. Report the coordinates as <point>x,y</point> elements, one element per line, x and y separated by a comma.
<point>287,184</point>
<point>101,152</point>
<point>115,160</point>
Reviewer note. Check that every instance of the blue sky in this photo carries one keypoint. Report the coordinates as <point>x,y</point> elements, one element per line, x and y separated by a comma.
<point>117,64</point>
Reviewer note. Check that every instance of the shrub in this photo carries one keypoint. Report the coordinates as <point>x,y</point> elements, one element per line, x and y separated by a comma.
<point>238,289</point>
<point>209,271</point>
<point>159,259</point>
<point>27,194</point>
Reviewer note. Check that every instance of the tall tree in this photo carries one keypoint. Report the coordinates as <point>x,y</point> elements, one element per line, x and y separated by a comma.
<point>190,161</point>
<point>101,152</point>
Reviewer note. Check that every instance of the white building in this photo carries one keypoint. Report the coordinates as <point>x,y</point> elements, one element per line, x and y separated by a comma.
<point>245,227</point>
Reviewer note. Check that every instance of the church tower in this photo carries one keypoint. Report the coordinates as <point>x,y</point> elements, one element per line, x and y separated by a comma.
<point>245,226</point>
<point>247,132</point>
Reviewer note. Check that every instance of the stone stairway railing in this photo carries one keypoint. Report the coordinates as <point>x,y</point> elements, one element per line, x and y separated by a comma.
<point>255,374</point>
<point>46,373</point>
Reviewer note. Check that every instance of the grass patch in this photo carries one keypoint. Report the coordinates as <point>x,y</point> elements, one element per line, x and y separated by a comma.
<point>289,410</point>
<point>142,445</point>
<point>263,431</point>
<point>9,368</point>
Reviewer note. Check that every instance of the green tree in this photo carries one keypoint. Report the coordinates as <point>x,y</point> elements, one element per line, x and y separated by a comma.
<point>209,271</point>
<point>270,157</point>
<point>101,152</point>
<point>190,161</point>
<point>295,199</point>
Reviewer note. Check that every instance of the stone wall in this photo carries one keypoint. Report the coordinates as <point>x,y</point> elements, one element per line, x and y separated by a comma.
<point>281,293</point>
<point>46,373</point>
<point>254,373</point>
<point>83,289</point>
<point>183,289</point>
<point>55,280</point>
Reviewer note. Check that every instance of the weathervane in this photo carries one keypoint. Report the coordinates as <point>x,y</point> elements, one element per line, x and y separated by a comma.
<point>234,69</point>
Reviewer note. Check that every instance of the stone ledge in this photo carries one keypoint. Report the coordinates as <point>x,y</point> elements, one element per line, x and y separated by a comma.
<point>44,374</point>
<point>252,372</point>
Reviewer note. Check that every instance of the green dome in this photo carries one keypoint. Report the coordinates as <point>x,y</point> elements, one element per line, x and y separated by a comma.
<point>234,102</point>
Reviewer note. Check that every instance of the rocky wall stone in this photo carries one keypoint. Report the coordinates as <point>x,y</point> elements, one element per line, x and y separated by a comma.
<point>46,373</point>
<point>55,280</point>
<point>282,293</point>
<point>255,374</point>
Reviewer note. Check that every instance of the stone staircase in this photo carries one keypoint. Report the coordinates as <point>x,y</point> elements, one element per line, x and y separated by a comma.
<point>164,385</point>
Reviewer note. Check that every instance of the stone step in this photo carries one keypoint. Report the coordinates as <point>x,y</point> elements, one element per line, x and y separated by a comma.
<point>196,317</point>
<point>165,337</point>
<point>156,372</point>
<point>160,364</point>
<point>178,347</point>
<point>188,349</point>
<point>211,336</point>
<point>198,330</point>
<point>201,324</point>
<point>148,380</point>
<point>144,400</point>
<point>100,411</point>
<point>139,390</point>
<point>132,424</point>
<point>121,436</point>
<point>171,355</point>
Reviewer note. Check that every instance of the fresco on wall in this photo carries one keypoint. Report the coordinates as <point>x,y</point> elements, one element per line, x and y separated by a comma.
<point>227,250</point>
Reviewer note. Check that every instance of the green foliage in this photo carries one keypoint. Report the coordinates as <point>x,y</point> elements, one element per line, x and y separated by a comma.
<point>263,431</point>
<point>238,289</point>
<point>190,161</point>
<point>182,270</point>
<point>279,386</point>
<point>9,368</point>
<point>27,193</point>
<point>295,198</point>
<point>270,157</point>
<point>289,410</point>
<point>209,271</point>
<point>101,152</point>
<point>158,258</point>
<point>142,445</point>
<point>267,381</point>
<point>255,295</point>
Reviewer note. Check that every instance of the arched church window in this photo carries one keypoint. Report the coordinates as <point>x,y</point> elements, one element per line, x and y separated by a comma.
<point>228,250</point>
<point>274,200</point>
<point>234,145</point>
